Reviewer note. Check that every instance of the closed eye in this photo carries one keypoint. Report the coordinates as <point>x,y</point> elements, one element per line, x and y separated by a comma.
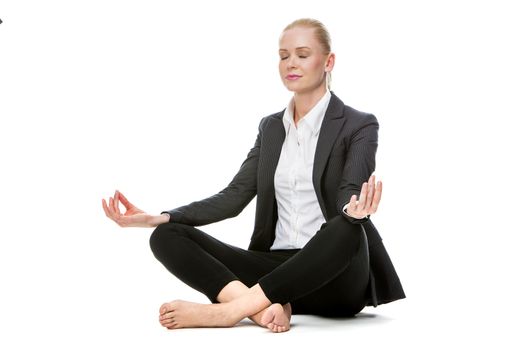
<point>283,58</point>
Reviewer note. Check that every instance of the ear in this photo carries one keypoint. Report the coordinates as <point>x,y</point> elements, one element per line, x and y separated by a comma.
<point>330,62</point>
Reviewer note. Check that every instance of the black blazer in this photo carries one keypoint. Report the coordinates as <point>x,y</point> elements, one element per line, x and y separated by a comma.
<point>344,159</point>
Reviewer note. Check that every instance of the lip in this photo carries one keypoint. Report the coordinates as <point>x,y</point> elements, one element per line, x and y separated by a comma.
<point>293,76</point>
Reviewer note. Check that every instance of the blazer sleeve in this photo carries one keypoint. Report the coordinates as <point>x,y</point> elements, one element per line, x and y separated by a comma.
<point>230,201</point>
<point>360,163</point>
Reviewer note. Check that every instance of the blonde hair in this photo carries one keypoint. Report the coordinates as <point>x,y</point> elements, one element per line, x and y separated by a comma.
<point>322,36</point>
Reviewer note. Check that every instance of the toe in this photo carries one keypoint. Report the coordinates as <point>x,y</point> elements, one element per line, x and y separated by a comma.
<point>167,307</point>
<point>173,325</point>
<point>163,308</point>
<point>169,314</point>
<point>166,322</point>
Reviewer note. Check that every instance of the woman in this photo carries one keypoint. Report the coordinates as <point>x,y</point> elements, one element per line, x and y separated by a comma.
<point>313,249</point>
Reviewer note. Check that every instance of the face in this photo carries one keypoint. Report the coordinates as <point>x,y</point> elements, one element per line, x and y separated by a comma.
<point>303,65</point>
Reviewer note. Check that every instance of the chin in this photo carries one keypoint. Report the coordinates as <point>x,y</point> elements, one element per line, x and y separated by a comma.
<point>299,90</point>
<point>294,88</point>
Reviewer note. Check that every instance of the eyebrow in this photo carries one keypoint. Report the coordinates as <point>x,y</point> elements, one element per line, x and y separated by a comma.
<point>297,48</point>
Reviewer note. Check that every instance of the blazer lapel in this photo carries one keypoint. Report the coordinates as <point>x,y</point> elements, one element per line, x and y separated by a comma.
<point>331,126</point>
<point>278,133</point>
<point>275,137</point>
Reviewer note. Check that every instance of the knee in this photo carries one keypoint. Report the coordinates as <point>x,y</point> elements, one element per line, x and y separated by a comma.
<point>157,237</point>
<point>345,233</point>
<point>341,224</point>
<point>163,234</point>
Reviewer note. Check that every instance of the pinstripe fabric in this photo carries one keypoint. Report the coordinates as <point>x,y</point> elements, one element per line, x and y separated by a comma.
<point>344,159</point>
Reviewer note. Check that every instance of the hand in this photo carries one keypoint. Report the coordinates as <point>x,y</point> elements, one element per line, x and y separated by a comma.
<point>368,199</point>
<point>133,217</point>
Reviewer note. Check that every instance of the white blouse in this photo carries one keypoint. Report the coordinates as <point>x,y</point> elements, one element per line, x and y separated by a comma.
<point>299,213</point>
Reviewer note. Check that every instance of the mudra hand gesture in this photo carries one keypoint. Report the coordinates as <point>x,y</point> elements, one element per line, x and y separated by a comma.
<point>368,199</point>
<point>133,217</point>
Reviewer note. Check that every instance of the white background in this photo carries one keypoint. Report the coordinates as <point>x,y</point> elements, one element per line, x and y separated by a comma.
<point>162,100</point>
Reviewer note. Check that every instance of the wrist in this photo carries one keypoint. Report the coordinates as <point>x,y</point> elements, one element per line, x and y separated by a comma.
<point>353,217</point>
<point>164,218</point>
<point>159,219</point>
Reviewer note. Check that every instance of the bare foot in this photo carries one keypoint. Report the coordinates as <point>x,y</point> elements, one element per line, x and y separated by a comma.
<point>277,317</point>
<point>184,314</point>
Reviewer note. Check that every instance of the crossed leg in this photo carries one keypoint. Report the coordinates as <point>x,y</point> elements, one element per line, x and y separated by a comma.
<point>293,277</point>
<point>276,317</point>
<point>220,271</point>
<point>242,302</point>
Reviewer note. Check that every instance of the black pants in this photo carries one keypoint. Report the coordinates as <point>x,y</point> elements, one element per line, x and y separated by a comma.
<point>329,276</point>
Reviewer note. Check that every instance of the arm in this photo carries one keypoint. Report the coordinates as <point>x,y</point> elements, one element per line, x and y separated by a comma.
<point>359,166</point>
<point>230,201</point>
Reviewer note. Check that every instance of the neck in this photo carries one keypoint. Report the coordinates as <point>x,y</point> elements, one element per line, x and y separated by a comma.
<point>305,101</point>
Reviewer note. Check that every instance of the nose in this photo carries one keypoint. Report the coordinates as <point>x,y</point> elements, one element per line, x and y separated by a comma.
<point>291,64</point>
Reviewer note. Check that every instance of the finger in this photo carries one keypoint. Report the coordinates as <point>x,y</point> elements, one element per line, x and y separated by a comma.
<point>352,205</point>
<point>115,213</point>
<point>115,203</point>
<point>124,200</point>
<point>109,211</point>
<point>116,200</point>
<point>111,206</point>
<point>105,207</point>
<point>353,202</point>
<point>377,196</point>
<point>362,197</point>
<point>370,195</point>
